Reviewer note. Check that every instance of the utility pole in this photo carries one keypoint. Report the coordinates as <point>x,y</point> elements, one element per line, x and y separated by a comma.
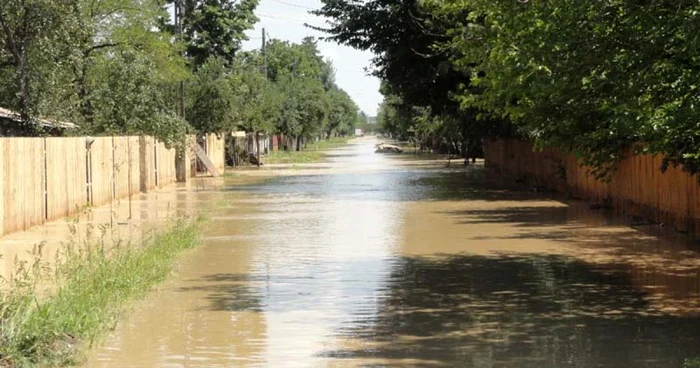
<point>178,24</point>
<point>264,55</point>
<point>257,134</point>
<point>181,161</point>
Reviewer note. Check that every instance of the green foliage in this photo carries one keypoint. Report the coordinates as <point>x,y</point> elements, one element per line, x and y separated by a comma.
<point>414,61</point>
<point>97,63</point>
<point>117,67</point>
<point>342,116</point>
<point>211,108</point>
<point>257,100</point>
<point>595,78</point>
<point>216,28</point>
<point>29,41</point>
<point>92,283</point>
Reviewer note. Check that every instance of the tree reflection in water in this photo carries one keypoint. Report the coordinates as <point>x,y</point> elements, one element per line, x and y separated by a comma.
<point>526,311</point>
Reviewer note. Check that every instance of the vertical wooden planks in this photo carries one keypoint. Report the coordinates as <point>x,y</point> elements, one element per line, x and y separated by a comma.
<point>215,148</point>
<point>134,165</point>
<point>66,179</point>
<point>23,175</point>
<point>165,159</point>
<point>637,187</point>
<point>3,180</point>
<point>102,171</point>
<point>120,151</point>
<point>147,163</point>
<point>48,178</point>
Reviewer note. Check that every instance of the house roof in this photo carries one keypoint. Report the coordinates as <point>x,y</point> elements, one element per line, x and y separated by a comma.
<point>14,116</point>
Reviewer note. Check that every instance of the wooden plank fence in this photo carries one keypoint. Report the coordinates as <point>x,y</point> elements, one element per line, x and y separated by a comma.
<point>215,149</point>
<point>43,179</point>
<point>23,183</point>
<point>638,187</point>
<point>66,176</point>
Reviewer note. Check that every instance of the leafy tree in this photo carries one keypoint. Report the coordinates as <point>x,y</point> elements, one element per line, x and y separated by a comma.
<point>414,60</point>
<point>215,28</point>
<point>342,115</point>
<point>101,28</point>
<point>256,102</point>
<point>212,104</point>
<point>28,44</point>
<point>130,98</point>
<point>592,77</point>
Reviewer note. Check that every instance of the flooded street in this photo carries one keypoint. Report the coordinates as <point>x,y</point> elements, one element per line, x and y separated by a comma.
<point>386,260</point>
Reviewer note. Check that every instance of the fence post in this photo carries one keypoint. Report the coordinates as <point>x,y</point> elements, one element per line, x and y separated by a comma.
<point>46,180</point>
<point>155,161</point>
<point>181,162</point>
<point>143,174</point>
<point>88,169</point>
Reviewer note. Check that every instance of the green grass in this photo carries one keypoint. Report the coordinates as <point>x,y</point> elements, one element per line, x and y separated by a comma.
<point>312,153</point>
<point>692,363</point>
<point>91,286</point>
<point>326,144</point>
<point>293,157</point>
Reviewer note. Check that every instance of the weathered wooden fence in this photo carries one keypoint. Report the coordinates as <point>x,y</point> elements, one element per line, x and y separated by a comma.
<point>215,148</point>
<point>638,187</point>
<point>43,179</point>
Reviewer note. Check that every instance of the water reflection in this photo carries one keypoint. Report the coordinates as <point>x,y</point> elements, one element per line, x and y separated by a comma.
<point>391,261</point>
<point>532,311</point>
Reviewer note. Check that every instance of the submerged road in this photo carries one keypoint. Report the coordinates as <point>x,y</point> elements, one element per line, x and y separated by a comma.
<point>386,260</point>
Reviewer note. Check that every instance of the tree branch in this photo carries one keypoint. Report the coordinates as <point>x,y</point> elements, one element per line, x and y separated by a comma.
<point>98,47</point>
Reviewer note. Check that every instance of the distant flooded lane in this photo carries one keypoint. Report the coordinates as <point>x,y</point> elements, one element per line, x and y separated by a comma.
<point>384,260</point>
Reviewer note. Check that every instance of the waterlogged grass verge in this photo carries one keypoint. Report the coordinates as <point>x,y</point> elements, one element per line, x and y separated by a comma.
<point>312,153</point>
<point>293,157</point>
<point>90,287</point>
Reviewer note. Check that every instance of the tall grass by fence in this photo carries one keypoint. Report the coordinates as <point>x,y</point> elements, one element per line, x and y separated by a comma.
<point>43,179</point>
<point>638,187</point>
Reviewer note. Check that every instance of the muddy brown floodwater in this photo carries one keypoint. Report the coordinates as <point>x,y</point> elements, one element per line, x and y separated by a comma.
<point>385,260</point>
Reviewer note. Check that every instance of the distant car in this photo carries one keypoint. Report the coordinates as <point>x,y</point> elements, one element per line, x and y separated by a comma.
<point>388,148</point>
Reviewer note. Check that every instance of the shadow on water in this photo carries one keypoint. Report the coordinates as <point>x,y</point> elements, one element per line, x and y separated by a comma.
<point>480,311</point>
<point>436,184</point>
<point>227,292</point>
<point>528,311</point>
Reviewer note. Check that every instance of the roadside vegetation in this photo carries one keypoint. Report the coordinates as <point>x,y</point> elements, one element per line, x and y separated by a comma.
<point>117,67</point>
<point>49,315</point>
<point>312,153</point>
<point>599,79</point>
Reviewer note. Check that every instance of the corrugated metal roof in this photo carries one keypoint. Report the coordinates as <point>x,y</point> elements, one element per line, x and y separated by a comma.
<point>12,115</point>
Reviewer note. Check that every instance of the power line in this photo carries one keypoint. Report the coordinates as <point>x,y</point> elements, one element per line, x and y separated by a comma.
<point>213,42</point>
<point>281,18</point>
<point>294,5</point>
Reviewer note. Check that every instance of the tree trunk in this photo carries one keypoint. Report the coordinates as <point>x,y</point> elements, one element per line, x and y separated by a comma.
<point>298,143</point>
<point>82,89</point>
<point>257,146</point>
<point>465,152</point>
<point>23,84</point>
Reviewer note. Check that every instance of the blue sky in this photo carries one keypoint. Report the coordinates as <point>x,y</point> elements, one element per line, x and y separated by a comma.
<point>284,19</point>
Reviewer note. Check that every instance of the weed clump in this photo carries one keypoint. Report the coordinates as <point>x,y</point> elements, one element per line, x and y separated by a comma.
<point>90,284</point>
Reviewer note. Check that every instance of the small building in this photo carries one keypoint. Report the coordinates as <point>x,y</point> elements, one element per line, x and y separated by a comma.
<point>11,126</point>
